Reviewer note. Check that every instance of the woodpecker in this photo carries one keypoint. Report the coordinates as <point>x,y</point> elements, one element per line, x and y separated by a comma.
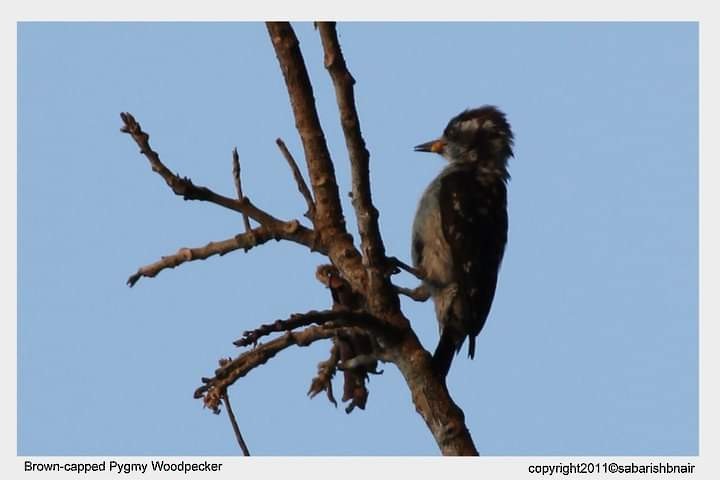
<point>460,228</point>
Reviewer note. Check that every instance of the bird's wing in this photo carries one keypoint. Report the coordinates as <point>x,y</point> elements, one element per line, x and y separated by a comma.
<point>474,222</point>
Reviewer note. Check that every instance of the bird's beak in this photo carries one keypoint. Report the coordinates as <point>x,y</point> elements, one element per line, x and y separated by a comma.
<point>434,146</point>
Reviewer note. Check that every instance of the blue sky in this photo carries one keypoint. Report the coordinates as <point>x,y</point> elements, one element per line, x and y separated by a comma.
<point>591,346</point>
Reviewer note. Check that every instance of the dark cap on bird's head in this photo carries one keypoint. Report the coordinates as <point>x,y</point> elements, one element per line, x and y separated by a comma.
<point>477,135</point>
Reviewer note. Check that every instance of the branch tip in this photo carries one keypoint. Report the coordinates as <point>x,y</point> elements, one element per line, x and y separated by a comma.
<point>299,180</point>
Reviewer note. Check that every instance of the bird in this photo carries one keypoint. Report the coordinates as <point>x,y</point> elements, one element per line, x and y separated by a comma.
<point>460,229</point>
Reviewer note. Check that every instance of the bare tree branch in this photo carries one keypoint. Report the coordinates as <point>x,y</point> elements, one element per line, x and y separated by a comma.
<point>236,429</point>
<point>297,320</point>
<point>248,240</point>
<point>183,186</point>
<point>232,370</point>
<point>329,219</point>
<point>348,325</point>
<point>238,186</point>
<point>431,398</point>
<point>380,295</point>
<point>302,186</point>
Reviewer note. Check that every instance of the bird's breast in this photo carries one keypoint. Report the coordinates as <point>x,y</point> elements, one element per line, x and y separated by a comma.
<point>430,250</point>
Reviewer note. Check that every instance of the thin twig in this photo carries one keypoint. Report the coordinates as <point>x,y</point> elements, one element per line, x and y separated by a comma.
<point>302,186</point>
<point>236,429</point>
<point>238,185</point>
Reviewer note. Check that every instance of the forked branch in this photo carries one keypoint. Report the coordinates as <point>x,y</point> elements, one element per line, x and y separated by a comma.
<point>231,371</point>
<point>329,219</point>
<point>183,186</point>
<point>380,294</point>
<point>270,226</point>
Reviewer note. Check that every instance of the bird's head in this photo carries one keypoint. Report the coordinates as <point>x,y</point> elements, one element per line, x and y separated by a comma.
<point>480,135</point>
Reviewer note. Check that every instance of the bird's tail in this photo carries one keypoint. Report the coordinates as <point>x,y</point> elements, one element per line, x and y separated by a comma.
<point>471,346</point>
<point>449,344</point>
